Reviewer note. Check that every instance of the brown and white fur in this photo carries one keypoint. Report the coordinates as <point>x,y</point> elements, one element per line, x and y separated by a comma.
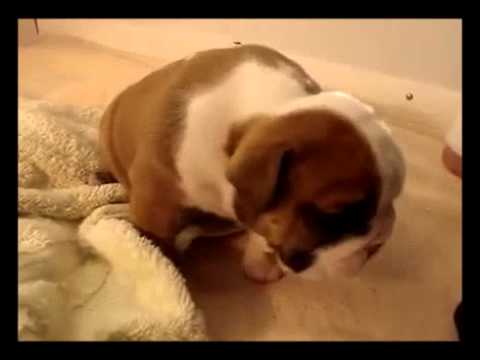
<point>246,134</point>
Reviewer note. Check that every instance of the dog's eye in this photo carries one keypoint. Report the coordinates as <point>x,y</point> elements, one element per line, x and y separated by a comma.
<point>330,227</point>
<point>362,229</point>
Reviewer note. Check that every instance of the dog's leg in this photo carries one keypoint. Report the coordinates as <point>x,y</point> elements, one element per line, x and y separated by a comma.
<point>259,263</point>
<point>155,199</point>
<point>103,173</point>
<point>197,223</point>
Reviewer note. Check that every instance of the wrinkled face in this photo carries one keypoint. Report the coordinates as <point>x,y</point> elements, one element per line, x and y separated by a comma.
<point>323,198</point>
<point>326,199</point>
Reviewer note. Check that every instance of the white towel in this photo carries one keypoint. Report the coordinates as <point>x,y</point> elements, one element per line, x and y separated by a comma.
<point>85,273</point>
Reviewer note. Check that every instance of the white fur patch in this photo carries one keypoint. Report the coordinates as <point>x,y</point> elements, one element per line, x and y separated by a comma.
<point>201,161</point>
<point>337,101</point>
<point>385,127</point>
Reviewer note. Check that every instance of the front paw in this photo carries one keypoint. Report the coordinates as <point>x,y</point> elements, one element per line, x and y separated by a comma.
<point>262,268</point>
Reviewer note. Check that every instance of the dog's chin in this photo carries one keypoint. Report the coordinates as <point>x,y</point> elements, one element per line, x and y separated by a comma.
<point>347,267</point>
<point>349,258</point>
<point>325,267</point>
<point>314,273</point>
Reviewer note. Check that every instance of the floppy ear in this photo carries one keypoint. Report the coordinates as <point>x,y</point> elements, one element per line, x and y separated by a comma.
<point>254,169</point>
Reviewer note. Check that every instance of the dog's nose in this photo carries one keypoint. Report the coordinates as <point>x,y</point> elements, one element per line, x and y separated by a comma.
<point>299,261</point>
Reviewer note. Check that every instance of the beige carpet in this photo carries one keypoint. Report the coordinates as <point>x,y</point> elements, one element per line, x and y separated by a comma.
<point>408,292</point>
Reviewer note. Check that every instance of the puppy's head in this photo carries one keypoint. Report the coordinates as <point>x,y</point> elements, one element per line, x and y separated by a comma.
<point>317,179</point>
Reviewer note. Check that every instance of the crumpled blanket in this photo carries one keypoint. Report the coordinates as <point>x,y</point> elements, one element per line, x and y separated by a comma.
<point>85,273</point>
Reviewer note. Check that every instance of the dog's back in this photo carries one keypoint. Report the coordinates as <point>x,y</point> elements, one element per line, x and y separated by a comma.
<point>174,124</point>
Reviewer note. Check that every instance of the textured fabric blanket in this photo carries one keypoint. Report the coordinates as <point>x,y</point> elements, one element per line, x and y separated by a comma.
<point>85,273</point>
